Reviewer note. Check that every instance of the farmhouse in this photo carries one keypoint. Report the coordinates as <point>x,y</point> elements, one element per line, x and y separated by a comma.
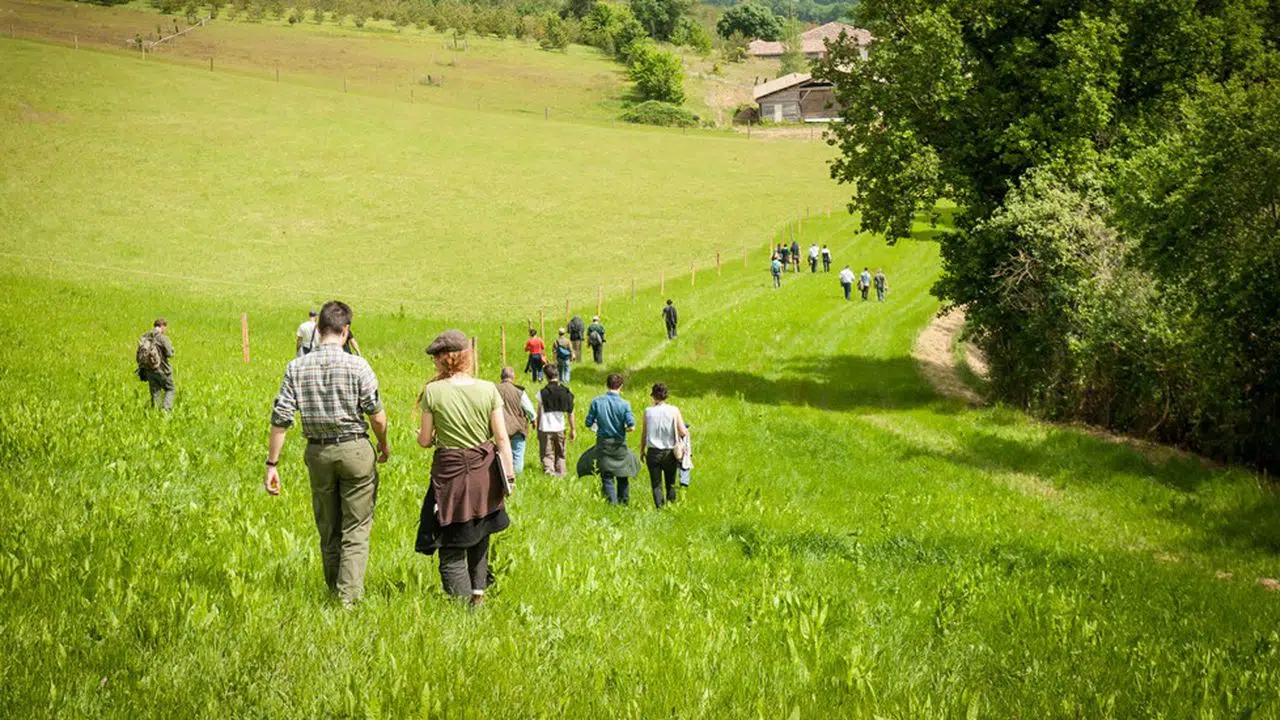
<point>812,41</point>
<point>797,97</point>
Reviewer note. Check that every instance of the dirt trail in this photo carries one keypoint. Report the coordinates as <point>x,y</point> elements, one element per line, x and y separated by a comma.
<point>934,352</point>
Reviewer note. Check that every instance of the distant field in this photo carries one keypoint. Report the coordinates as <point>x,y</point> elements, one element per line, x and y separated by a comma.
<point>140,166</point>
<point>508,75</point>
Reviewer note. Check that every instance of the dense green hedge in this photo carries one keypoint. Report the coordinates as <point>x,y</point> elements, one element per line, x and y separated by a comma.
<point>656,112</point>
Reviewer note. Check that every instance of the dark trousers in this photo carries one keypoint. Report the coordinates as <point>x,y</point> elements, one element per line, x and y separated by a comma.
<point>597,353</point>
<point>465,571</point>
<point>535,367</point>
<point>826,264</point>
<point>620,495</point>
<point>777,280</point>
<point>813,265</point>
<point>671,331</point>
<point>662,472</point>
<point>864,291</point>
<point>848,289</point>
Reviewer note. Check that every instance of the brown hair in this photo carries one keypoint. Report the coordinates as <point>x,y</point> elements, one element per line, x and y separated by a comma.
<point>660,391</point>
<point>614,381</point>
<point>334,316</point>
<point>451,363</point>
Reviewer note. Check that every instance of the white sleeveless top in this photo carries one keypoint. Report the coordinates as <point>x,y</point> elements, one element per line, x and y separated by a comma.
<point>660,426</point>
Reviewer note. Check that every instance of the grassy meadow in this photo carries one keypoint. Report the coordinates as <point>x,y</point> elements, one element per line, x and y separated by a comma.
<point>853,544</point>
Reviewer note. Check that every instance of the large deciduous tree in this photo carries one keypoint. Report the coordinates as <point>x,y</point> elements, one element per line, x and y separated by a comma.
<point>1116,175</point>
<point>750,19</point>
<point>660,17</point>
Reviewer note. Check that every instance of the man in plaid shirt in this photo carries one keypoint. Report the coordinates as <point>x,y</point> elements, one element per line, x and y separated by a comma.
<point>332,391</point>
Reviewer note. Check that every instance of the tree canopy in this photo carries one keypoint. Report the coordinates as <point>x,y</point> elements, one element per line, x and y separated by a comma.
<point>1115,169</point>
<point>750,19</point>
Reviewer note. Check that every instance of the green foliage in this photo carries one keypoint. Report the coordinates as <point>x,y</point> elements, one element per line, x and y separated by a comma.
<point>689,33</point>
<point>793,59</point>
<point>660,18</point>
<point>735,48</point>
<point>579,8</point>
<point>1090,114</point>
<point>656,112</point>
<point>612,28</point>
<point>751,21</point>
<point>658,74</point>
<point>556,33</point>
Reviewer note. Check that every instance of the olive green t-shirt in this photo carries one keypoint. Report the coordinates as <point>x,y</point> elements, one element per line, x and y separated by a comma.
<point>461,412</point>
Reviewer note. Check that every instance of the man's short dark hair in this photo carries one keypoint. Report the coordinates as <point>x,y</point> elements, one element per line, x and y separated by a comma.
<point>613,382</point>
<point>532,332</point>
<point>551,372</point>
<point>334,316</point>
<point>160,322</point>
<point>668,301</point>
<point>311,313</point>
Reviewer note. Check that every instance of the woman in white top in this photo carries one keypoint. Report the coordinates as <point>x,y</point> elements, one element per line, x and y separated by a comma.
<point>662,433</point>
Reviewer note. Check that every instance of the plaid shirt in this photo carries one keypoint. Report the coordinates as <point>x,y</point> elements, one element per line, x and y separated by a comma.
<point>331,389</point>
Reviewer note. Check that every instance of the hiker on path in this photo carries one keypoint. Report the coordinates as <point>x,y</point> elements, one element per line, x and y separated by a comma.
<point>671,318</point>
<point>577,333</point>
<point>795,255</point>
<point>563,352</point>
<point>611,418</point>
<point>537,355</point>
<point>307,335</point>
<point>662,432</point>
<point>882,284</point>
<point>775,268</point>
<point>332,392</point>
<point>595,338</point>
<point>864,282</point>
<point>154,351</point>
<point>846,281</point>
<point>517,410</point>
<point>813,258</point>
<point>826,259</point>
<point>471,471</point>
<point>555,424</point>
<point>784,254</point>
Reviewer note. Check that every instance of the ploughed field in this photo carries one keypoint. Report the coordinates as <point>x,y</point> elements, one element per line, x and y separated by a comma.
<point>852,545</point>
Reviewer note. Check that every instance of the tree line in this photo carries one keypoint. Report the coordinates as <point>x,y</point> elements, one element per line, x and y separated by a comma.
<point>1117,171</point>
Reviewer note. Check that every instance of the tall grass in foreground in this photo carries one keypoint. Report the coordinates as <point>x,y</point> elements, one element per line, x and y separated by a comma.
<point>852,545</point>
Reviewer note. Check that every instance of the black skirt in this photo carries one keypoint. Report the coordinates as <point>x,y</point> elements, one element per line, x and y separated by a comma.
<point>432,536</point>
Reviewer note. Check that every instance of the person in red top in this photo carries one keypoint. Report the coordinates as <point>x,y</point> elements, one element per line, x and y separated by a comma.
<point>537,356</point>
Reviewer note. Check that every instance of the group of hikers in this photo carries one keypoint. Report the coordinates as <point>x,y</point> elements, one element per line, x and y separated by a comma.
<point>478,429</point>
<point>566,349</point>
<point>788,256</point>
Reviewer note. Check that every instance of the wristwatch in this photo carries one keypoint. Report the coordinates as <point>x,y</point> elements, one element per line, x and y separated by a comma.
<point>272,463</point>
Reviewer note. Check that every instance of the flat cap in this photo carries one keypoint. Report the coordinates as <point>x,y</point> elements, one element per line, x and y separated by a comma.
<point>447,342</point>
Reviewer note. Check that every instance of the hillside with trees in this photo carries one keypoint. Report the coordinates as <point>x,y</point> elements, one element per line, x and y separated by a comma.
<point>1118,169</point>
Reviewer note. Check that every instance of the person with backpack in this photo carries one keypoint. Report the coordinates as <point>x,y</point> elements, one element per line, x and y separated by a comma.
<point>554,421</point>
<point>795,256</point>
<point>307,335</point>
<point>577,333</point>
<point>784,254</point>
<point>154,351</point>
<point>595,338</point>
<point>671,318</point>
<point>564,355</point>
<point>775,267</point>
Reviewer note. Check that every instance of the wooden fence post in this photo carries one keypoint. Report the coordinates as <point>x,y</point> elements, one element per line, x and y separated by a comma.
<point>344,83</point>
<point>633,289</point>
<point>277,73</point>
<point>211,64</point>
<point>566,308</point>
<point>244,335</point>
<point>77,37</point>
<point>599,300</point>
<point>693,275</point>
<point>542,325</point>
<point>504,344</point>
<point>662,286</point>
<point>475,358</point>
<point>717,262</point>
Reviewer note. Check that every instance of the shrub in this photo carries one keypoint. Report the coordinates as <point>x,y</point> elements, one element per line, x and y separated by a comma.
<point>556,33</point>
<point>692,35</point>
<point>658,74</point>
<point>656,112</point>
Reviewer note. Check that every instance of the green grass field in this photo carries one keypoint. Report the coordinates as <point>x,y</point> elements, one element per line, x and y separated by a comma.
<point>853,545</point>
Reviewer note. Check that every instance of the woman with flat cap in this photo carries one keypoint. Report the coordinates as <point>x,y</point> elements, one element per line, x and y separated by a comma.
<point>471,472</point>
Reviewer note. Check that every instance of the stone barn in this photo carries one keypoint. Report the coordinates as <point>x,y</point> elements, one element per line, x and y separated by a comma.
<point>797,97</point>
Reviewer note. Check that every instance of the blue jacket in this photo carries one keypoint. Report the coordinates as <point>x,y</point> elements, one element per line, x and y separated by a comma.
<point>611,415</point>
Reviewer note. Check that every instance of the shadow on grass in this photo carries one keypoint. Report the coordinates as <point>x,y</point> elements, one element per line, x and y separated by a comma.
<point>840,383</point>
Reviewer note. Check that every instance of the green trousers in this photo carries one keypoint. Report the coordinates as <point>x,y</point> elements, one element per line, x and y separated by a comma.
<point>162,389</point>
<point>344,489</point>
